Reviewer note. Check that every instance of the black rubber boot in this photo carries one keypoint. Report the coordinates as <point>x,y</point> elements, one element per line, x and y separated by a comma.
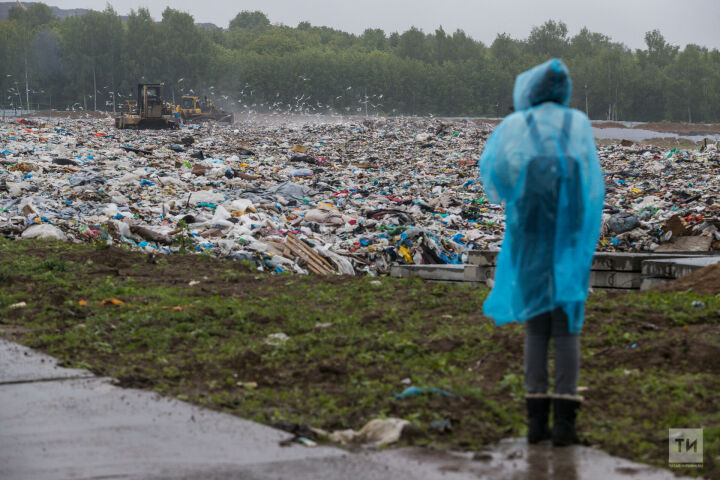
<point>564,414</point>
<point>538,410</point>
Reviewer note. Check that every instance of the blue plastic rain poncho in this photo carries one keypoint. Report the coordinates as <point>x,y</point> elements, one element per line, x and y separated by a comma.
<point>542,162</point>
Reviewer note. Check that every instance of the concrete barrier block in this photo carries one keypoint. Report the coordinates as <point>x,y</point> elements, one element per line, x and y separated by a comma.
<point>673,268</point>
<point>608,279</point>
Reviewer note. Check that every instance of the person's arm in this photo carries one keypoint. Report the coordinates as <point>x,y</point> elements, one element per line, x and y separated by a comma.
<point>501,162</point>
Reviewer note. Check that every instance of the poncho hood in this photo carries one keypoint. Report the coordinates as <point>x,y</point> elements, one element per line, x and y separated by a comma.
<point>547,82</point>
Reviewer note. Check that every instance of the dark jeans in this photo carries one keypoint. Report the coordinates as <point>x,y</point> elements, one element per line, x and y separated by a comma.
<point>538,332</point>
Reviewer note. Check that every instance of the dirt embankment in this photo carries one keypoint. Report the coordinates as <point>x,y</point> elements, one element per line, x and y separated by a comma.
<point>705,281</point>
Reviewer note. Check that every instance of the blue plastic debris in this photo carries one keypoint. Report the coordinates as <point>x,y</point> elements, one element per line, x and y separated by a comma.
<point>458,238</point>
<point>411,392</point>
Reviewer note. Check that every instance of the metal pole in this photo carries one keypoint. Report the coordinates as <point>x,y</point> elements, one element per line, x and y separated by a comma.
<point>27,88</point>
<point>17,92</point>
<point>94,90</point>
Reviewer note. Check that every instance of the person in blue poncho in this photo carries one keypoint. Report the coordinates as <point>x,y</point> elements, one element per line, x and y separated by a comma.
<point>541,161</point>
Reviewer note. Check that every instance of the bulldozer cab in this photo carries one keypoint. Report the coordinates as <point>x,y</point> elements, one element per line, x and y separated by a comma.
<point>150,100</point>
<point>129,106</point>
<point>150,111</point>
<point>192,109</point>
<point>188,103</point>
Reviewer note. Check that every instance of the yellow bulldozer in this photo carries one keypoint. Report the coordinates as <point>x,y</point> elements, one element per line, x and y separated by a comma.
<point>150,111</point>
<point>193,109</point>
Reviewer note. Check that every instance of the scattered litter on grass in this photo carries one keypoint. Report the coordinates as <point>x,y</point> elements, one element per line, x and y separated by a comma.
<point>375,432</point>
<point>441,426</point>
<point>307,442</point>
<point>111,301</point>
<point>418,392</point>
<point>276,339</point>
<point>248,385</point>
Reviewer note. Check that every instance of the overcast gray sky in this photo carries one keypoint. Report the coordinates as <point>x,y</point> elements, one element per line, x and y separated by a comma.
<point>680,21</point>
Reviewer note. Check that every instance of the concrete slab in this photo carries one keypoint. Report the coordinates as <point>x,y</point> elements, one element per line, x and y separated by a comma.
<point>630,262</point>
<point>610,279</point>
<point>483,258</point>
<point>450,273</point>
<point>21,364</point>
<point>92,429</point>
<point>652,282</point>
<point>614,261</point>
<point>482,274</point>
<point>676,268</point>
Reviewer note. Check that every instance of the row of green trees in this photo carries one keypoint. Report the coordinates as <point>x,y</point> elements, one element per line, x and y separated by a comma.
<point>94,61</point>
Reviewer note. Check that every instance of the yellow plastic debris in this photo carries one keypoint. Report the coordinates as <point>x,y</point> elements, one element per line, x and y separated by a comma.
<point>111,301</point>
<point>406,255</point>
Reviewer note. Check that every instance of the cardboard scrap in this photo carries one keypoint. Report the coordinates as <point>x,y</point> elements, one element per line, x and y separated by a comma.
<point>687,244</point>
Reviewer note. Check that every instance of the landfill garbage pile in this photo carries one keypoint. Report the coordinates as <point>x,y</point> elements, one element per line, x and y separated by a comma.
<point>661,201</point>
<point>350,197</point>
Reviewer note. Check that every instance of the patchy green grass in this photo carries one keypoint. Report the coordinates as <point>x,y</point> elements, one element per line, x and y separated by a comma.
<point>650,360</point>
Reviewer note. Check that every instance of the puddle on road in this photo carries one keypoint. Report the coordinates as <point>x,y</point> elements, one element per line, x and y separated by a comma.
<point>513,459</point>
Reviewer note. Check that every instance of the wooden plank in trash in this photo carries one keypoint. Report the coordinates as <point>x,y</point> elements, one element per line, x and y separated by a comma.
<point>315,262</point>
